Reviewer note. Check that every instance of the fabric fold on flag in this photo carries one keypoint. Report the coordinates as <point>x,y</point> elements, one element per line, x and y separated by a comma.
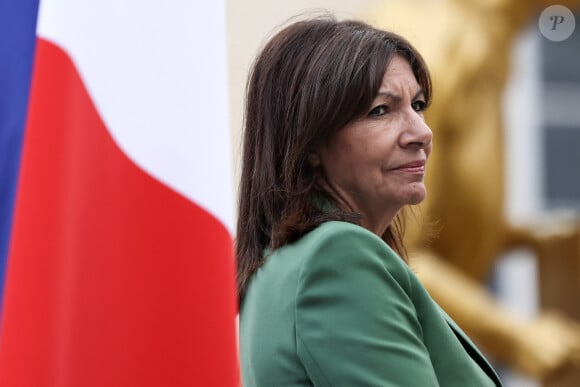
<point>117,274</point>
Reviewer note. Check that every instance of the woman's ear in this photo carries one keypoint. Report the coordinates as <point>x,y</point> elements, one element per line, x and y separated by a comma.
<point>314,160</point>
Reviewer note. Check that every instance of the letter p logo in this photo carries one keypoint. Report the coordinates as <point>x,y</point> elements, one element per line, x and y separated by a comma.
<point>556,20</point>
<point>556,23</point>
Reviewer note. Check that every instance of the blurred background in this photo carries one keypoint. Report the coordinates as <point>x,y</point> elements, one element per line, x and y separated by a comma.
<point>506,122</point>
<point>101,215</point>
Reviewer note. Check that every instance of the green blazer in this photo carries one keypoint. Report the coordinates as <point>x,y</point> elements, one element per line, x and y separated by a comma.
<point>339,307</point>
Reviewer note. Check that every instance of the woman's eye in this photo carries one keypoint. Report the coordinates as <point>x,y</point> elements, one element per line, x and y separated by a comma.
<point>419,106</point>
<point>379,111</point>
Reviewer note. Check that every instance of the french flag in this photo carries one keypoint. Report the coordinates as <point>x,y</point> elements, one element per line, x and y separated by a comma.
<point>116,209</point>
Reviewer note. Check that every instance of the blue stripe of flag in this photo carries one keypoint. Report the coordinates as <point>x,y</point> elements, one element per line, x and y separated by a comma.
<point>17,42</point>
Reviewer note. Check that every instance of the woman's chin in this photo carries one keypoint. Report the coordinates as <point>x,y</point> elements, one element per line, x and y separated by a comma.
<point>416,196</point>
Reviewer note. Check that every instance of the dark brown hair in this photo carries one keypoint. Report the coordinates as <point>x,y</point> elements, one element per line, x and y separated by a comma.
<point>309,81</point>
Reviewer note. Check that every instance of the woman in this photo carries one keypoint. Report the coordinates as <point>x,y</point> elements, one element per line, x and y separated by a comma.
<point>335,146</point>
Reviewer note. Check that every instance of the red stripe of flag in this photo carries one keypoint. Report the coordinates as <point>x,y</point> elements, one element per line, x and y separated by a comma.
<point>113,278</point>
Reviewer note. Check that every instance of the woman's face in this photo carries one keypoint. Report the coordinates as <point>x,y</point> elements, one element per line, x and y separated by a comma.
<point>376,163</point>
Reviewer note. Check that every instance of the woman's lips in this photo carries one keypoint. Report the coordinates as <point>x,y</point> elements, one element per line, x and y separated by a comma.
<point>416,167</point>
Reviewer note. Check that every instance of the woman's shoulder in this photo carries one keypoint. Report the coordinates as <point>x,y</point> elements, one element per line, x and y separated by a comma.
<point>345,236</point>
<point>341,232</point>
<point>348,245</point>
<point>335,246</point>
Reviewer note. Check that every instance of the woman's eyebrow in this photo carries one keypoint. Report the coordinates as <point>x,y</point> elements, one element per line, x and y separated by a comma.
<point>419,94</point>
<point>389,95</point>
<point>397,98</point>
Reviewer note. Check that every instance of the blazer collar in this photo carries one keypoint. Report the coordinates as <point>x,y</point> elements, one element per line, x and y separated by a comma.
<point>471,349</point>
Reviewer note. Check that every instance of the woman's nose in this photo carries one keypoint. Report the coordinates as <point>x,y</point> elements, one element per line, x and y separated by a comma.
<point>416,132</point>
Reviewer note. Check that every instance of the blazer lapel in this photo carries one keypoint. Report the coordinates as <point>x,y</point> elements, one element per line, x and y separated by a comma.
<point>471,348</point>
